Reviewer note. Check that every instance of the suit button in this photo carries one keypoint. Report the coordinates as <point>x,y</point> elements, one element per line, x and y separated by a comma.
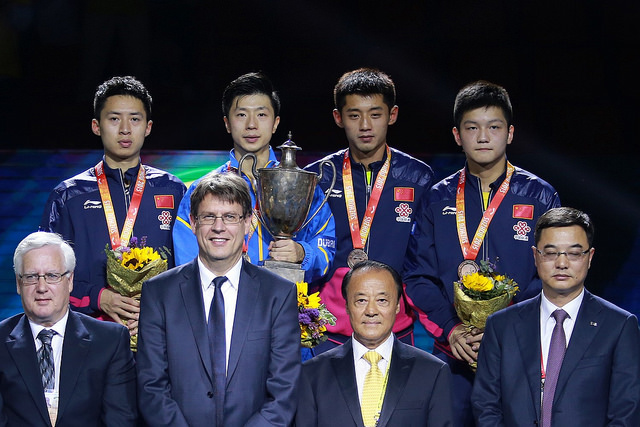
<point>209,394</point>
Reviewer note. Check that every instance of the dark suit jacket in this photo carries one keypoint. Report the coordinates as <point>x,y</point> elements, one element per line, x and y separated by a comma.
<point>175,382</point>
<point>97,375</point>
<point>599,382</point>
<point>418,390</point>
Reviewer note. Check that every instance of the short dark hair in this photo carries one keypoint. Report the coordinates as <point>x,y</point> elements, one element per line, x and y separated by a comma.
<point>564,217</point>
<point>126,85</point>
<point>250,84</point>
<point>371,265</point>
<point>481,94</point>
<point>226,186</point>
<point>364,82</point>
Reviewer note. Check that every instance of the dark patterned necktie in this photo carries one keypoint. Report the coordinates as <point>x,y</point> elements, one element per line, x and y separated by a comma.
<point>217,339</point>
<point>45,359</point>
<point>557,349</point>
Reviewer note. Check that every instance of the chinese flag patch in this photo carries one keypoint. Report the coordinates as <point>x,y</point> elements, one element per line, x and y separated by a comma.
<point>164,201</point>
<point>523,211</point>
<point>403,194</point>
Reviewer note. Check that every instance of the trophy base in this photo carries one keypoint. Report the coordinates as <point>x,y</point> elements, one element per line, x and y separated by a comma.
<point>288,270</point>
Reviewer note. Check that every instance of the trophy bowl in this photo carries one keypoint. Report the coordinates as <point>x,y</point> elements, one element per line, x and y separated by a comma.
<point>285,192</point>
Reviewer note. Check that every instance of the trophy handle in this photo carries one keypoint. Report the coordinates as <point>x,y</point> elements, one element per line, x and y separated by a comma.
<point>253,166</point>
<point>256,174</point>
<point>327,193</point>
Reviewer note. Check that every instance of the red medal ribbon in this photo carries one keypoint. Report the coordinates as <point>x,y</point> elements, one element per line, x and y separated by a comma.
<point>359,234</point>
<point>115,237</point>
<point>470,251</point>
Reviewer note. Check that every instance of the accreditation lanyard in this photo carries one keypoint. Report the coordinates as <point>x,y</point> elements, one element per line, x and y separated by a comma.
<point>470,250</point>
<point>115,237</point>
<point>359,234</point>
<point>383,392</point>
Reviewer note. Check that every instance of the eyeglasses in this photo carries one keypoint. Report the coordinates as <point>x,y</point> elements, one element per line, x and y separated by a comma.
<point>227,219</point>
<point>50,278</point>
<point>550,255</point>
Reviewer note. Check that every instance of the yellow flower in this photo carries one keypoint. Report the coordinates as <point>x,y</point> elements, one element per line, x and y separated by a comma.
<point>137,258</point>
<point>477,282</point>
<point>302,287</point>
<point>314,301</point>
<point>500,277</point>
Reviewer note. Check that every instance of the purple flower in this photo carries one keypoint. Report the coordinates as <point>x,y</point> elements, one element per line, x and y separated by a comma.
<point>304,318</point>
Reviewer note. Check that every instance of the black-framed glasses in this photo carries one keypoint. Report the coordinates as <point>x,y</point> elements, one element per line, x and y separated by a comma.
<point>551,255</point>
<point>51,278</point>
<point>227,219</point>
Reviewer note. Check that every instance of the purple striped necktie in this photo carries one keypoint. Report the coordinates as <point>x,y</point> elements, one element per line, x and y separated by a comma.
<point>557,349</point>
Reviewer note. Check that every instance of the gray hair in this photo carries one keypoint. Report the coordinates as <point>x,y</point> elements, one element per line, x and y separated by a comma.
<point>38,240</point>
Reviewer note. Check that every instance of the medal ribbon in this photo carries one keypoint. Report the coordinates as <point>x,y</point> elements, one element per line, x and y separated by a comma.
<point>359,234</point>
<point>115,237</point>
<point>470,251</point>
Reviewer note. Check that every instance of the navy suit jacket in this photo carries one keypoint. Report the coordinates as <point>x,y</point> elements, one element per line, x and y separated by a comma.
<point>175,382</point>
<point>599,382</point>
<point>97,375</point>
<point>418,390</point>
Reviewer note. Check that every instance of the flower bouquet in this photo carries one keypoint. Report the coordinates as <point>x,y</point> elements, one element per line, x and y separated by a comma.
<point>313,316</point>
<point>476,296</point>
<point>128,267</point>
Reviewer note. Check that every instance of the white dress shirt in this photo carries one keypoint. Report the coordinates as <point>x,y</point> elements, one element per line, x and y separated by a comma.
<point>547,322</point>
<point>229,292</point>
<point>362,366</point>
<point>56,344</point>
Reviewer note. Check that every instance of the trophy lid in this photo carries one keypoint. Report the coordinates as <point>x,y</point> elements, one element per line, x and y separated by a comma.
<point>289,149</point>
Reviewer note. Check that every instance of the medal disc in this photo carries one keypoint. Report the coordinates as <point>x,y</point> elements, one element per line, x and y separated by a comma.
<point>467,267</point>
<point>356,256</point>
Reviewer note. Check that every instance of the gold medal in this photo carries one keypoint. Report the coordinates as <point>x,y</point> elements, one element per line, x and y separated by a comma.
<point>355,256</point>
<point>467,267</point>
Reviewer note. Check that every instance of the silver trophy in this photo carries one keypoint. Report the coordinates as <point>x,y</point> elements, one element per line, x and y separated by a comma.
<point>285,194</point>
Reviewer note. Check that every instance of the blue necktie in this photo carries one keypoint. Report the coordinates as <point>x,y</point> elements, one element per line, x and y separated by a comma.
<point>557,349</point>
<point>217,341</point>
<point>45,359</point>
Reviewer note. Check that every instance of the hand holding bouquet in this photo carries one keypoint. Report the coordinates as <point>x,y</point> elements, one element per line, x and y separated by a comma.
<point>128,267</point>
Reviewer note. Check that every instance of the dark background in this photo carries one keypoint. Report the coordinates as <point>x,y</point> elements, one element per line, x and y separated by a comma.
<point>570,68</point>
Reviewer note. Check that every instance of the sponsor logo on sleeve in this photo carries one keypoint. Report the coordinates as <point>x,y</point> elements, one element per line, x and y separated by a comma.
<point>404,212</point>
<point>522,230</point>
<point>92,204</point>
<point>336,193</point>
<point>165,220</point>
<point>449,210</point>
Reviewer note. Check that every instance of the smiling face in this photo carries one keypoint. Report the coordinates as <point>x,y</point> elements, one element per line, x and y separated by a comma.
<point>44,303</point>
<point>365,120</point>
<point>220,244</point>
<point>251,123</point>
<point>372,305</point>
<point>484,136</point>
<point>123,126</point>
<point>563,280</point>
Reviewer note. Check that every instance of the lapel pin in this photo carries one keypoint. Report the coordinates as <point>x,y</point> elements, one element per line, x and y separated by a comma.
<point>594,323</point>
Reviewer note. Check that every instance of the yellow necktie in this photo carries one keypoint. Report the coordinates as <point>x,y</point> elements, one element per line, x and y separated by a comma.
<point>372,390</point>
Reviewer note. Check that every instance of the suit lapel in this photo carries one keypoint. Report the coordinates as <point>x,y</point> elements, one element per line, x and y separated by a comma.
<point>584,330</point>
<point>191,291</point>
<point>22,349</point>
<point>342,363</point>
<point>248,290</point>
<point>527,333</point>
<point>77,341</point>
<point>399,371</point>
